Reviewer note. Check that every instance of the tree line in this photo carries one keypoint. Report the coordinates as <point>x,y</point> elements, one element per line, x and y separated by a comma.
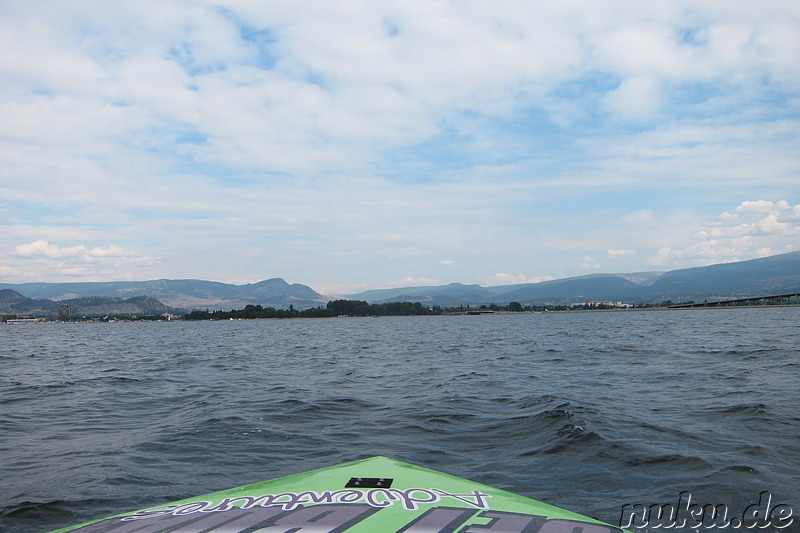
<point>336,308</point>
<point>333,309</point>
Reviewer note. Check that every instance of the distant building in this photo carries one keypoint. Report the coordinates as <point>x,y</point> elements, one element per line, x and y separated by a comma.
<point>592,304</point>
<point>65,312</point>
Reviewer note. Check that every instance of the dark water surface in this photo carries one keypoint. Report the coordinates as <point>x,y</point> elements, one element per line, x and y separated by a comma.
<point>587,411</point>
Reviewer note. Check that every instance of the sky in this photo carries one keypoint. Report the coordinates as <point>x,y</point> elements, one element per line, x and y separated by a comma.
<point>351,144</point>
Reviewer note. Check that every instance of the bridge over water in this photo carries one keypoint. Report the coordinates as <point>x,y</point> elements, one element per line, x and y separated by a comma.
<point>777,299</point>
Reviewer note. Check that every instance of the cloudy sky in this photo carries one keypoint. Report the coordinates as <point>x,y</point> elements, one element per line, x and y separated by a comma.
<point>354,144</point>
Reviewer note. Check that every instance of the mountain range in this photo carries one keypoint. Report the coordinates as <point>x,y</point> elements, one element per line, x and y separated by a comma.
<point>182,293</point>
<point>778,274</point>
<point>14,303</point>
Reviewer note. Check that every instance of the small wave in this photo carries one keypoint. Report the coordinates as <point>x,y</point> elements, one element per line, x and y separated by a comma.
<point>739,469</point>
<point>31,508</point>
<point>410,428</point>
<point>740,409</point>
<point>571,441</point>
<point>674,460</point>
<point>570,429</point>
<point>670,431</point>
<point>346,404</point>
<point>472,374</point>
<point>549,429</point>
<point>30,515</point>
<point>226,420</point>
<point>121,379</point>
<point>72,384</point>
<point>534,401</point>
<point>451,418</point>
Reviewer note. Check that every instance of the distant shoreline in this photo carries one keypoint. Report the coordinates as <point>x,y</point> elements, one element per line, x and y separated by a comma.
<point>474,312</point>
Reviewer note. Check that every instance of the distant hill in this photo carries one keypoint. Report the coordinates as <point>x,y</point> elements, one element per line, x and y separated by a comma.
<point>452,294</point>
<point>183,293</point>
<point>14,303</point>
<point>777,274</point>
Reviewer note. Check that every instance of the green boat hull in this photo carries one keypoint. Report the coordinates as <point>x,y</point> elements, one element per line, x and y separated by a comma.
<point>376,495</point>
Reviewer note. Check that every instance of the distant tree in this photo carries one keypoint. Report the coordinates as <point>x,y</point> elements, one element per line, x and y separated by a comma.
<point>332,309</point>
<point>348,307</point>
<point>515,306</point>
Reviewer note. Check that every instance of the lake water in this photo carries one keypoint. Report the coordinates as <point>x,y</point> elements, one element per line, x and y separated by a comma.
<point>587,411</point>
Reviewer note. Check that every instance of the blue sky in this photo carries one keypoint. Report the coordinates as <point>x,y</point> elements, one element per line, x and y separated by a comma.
<point>350,145</point>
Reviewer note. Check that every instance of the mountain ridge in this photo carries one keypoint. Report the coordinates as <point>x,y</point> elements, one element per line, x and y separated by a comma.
<point>182,293</point>
<point>778,274</point>
<point>14,303</point>
<point>775,274</point>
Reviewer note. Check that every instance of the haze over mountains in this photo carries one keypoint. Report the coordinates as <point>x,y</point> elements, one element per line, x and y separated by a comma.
<point>14,303</point>
<point>182,293</point>
<point>779,274</point>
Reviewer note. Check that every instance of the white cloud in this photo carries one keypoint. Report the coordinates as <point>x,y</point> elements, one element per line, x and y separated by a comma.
<point>109,251</point>
<point>665,256</point>
<point>636,97</point>
<point>758,218</point>
<point>756,228</point>
<point>335,75</point>
<point>41,247</point>
<point>621,252</point>
<point>763,206</point>
<point>280,133</point>
<point>502,278</point>
<point>77,260</point>
<point>10,272</point>
<point>588,263</point>
<point>411,281</point>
